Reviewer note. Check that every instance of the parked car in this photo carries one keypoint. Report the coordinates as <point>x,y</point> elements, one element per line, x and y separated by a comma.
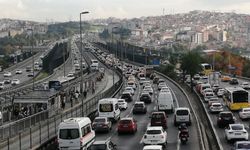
<point>236,132</point>
<point>102,124</point>
<point>15,82</point>
<point>7,74</point>
<point>155,136</point>
<point>225,118</point>
<point>244,113</point>
<point>103,145</point>
<point>123,105</point>
<point>145,97</point>
<point>139,107</point>
<point>18,71</point>
<point>159,118</point>
<point>127,125</point>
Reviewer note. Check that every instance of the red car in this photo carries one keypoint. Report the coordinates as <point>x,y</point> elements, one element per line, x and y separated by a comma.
<point>159,119</point>
<point>127,125</point>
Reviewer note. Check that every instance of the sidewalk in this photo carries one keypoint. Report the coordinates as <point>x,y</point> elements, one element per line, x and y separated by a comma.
<point>48,128</point>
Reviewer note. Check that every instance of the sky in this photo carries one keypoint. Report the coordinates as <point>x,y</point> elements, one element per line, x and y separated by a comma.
<point>68,10</point>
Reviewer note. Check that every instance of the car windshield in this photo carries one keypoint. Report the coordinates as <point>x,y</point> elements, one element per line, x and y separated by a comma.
<point>226,115</point>
<point>237,127</point>
<point>125,122</point>
<point>106,107</point>
<point>158,116</point>
<point>98,147</point>
<point>182,112</point>
<point>69,134</point>
<point>243,146</point>
<point>217,105</point>
<point>125,95</point>
<point>138,105</point>
<point>121,101</point>
<point>153,131</point>
<point>99,120</point>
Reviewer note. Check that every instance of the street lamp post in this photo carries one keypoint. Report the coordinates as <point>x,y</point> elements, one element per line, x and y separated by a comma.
<point>81,83</point>
<point>32,49</point>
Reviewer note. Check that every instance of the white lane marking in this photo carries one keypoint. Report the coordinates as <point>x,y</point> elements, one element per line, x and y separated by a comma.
<point>178,142</point>
<point>177,103</point>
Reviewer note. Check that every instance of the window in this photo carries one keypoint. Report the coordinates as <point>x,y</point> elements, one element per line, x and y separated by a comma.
<point>106,107</point>
<point>85,130</point>
<point>154,132</point>
<point>240,96</point>
<point>69,133</point>
<point>182,112</point>
<point>116,106</point>
<point>237,127</point>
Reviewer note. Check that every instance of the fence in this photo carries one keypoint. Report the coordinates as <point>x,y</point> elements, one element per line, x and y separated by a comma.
<point>46,129</point>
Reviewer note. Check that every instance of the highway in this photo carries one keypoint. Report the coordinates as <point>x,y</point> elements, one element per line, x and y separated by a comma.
<point>220,131</point>
<point>130,141</point>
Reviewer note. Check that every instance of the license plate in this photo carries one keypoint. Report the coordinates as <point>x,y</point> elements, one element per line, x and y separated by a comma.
<point>125,126</point>
<point>153,141</point>
<point>237,133</point>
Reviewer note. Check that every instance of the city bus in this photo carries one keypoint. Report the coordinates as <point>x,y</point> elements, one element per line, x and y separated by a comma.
<point>236,98</point>
<point>206,69</point>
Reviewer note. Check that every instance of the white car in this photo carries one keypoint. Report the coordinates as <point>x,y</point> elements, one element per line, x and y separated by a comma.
<point>155,136</point>
<point>129,89</point>
<point>142,80</point>
<point>162,84</point>
<point>245,85</point>
<point>7,74</point>
<point>15,82</point>
<point>153,147</point>
<point>207,90</point>
<point>236,131</point>
<point>19,71</point>
<point>208,96</point>
<point>215,86</point>
<point>165,89</point>
<point>148,89</point>
<point>244,113</point>
<point>122,104</point>
<point>216,108</point>
<point>220,92</point>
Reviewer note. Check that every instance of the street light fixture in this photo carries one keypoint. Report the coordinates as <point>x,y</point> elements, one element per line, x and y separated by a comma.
<point>32,49</point>
<point>115,52</point>
<point>81,83</point>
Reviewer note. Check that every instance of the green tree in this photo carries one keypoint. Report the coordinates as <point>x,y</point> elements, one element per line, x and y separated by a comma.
<point>190,64</point>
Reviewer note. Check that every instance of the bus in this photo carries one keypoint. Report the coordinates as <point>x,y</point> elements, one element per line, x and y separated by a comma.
<point>206,69</point>
<point>236,98</point>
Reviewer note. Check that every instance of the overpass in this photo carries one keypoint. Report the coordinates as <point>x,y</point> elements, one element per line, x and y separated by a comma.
<point>35,48</point>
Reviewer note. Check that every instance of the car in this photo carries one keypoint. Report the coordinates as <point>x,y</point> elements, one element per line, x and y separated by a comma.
<point>123,105</point>
<point>145,97</point>
<point>207,90</point>
<point>225,78</point>
<point>155,80</point>
<point>182,115</point>
<point>197,77</point>
<point>146,83</point>
<point>215,86</point>
<point>160,81</point>
<point>208,96</point>
<point>18,71</point>
<point>127,125</point>
<point>216,108</point>
<point>213,100</point>
<point>102,124</point>
<point>6,81</point>
<point>153,147</point>
<point>1,85</point>
<point>160,85</point>
<point>71,75</point>
<point>155,136</point>
<point>245,85</point>
<point>165,89</point>
<point>129,89</point>
<point>244,113</point>
<point>234,81</point>
<point>15,82</point>
<point>148,89</point>
<point>132,84</point>
<point>142,80</point>
<point>103,145</point>
<point>127,96</point>
<point>221,92</point>
<point>139,107</point>
<point>28,69</point>
<point>7,74</point>
<point>236,132</point>
<point>225,118</point>
<point>241,145</point>
<point>159,118</point>
<point>30,74</point>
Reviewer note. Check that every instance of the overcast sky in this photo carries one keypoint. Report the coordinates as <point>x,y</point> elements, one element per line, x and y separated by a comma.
<point>65,10</point>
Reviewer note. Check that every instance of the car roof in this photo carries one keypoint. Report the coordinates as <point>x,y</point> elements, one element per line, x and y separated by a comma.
<point>153,147</point>
<point>155,128</point>
<point>139,102</point>
<point>182,108</point>
<point>127,118</point>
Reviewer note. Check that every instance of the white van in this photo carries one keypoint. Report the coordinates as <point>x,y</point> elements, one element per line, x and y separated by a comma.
<point>182,115</point>
<point>108,107</point>
<point>165,101</point>
<point>94,66</point>
<point>75,133</point>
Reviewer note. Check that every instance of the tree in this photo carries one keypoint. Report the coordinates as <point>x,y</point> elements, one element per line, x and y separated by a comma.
<point>190,64</point>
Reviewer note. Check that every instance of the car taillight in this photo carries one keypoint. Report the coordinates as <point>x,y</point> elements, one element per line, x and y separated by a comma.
<point>145,136</point>
<point>244,132</point>
<point>219,118</point>
<point>230,132</point>
<point>81,139</point>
